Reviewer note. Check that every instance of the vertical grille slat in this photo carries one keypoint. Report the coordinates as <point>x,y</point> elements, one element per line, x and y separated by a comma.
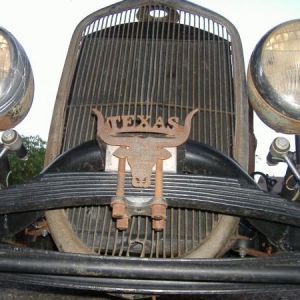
<point>97,230</point>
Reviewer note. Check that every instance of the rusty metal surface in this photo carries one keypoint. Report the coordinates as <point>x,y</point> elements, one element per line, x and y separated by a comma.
<point>144,151</point>
<point>185,230</point>
<point>274,119</point>
<point>41,228</point>
<point>122,64</point>
<point>139,71</point>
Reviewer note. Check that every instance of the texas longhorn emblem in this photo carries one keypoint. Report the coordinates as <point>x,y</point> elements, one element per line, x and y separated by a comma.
<point>142,152</point>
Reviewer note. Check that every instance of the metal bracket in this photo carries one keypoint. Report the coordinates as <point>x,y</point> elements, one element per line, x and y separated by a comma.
<point>143,150</point>
<point>125,207</point>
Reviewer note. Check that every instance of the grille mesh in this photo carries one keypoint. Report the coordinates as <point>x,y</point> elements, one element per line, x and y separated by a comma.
<point>158,61</point>
<point>154,67</point>
<point>185,230</point>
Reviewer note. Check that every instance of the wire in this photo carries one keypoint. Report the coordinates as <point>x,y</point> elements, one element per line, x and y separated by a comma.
<point>270,182</point>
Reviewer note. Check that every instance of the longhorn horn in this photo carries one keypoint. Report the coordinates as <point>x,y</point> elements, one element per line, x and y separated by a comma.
<point>103,131</point>
<point>183,133</point>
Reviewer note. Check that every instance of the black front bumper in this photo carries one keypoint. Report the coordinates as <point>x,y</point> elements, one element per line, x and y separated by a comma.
<point>237,196</point>
<point>142,275</point>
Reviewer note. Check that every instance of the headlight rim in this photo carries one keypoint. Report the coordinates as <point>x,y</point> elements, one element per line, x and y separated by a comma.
<point>17,88</point>
<point>270,105</point>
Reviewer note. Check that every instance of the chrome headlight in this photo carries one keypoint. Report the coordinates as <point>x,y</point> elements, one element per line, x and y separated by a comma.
<point>274,78</point>
<point>16,81</point>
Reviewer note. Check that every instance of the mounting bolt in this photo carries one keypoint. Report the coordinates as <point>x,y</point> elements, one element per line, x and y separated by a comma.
<point>158,225</point>
<point>242,253</point>
<point>118,208</point>
<point>158,214</point>
<point>282,144</point>
<point>11,140</point>
<point>122,224</point>
<point>8,136</point>
<point>44,232</point>
<point>278,149</point>
<point>158,210</point>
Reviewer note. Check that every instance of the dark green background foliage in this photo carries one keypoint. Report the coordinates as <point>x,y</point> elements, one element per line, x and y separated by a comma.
<point>24,170</point>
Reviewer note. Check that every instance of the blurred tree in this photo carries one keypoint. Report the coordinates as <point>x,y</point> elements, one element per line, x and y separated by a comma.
<point>22,170</point>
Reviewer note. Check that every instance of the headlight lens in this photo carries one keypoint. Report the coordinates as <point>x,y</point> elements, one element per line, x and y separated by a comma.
<point>274,78</point>
<point>16,81</point>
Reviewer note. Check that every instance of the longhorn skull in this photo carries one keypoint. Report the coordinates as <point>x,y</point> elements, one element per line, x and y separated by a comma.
<point>142,152</point>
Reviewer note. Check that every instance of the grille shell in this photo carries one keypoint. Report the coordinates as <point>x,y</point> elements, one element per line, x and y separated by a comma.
<point>123,60</point>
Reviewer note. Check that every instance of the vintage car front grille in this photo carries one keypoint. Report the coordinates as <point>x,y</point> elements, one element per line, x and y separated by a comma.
<point>149,66</point>
<point>149,58</point>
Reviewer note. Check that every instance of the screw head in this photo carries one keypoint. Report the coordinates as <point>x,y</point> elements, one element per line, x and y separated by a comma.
<point>242,253</point>
<point>282,144</point>
<point>8,135</point>
<point>44,233</point>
